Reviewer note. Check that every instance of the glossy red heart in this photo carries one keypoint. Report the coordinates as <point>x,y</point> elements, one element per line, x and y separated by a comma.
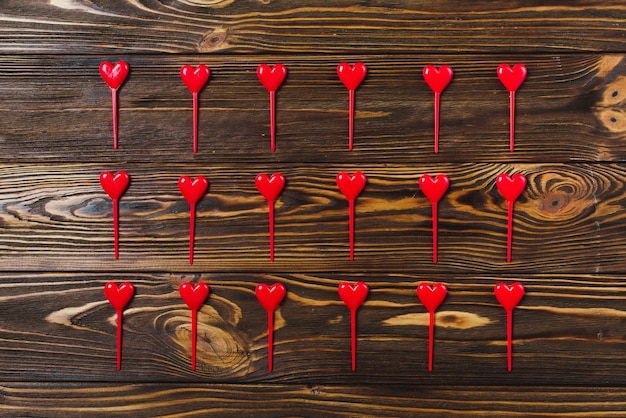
<point>434,187</point>
<point>270,187</point>
<point>349,185</point>
<point>114,75</point>
<point>194,296</point>
<point>437,79</point>
<point>270,296</point>
<point>271,77</point>
<point>353,295</point>
<point>119,296</point>
<point>511,187</point>
<point>509,296</point>
<point>351,77</point>
<point>512,78</point>
<point>114,184</point>
<point>195,78</point>
<point>431,296</point>
<point>192,190</point>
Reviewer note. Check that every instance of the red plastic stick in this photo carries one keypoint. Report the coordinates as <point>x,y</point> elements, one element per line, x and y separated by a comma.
<point>353,296</point>
<point>431,297</point>
<point>351,77</point>
<point>510,188</point>
<point>434,189</point>
<point>272,78</point>
<point>119,296</point>
<point>115,185</point>
<point>192,190</point>
<point>195,79</point>
<point>509,297</point>
<point>270,297</point>
<point>114,76</point>
<point>512,79</point>
<point>194,296</point>
<point>351,187</point>
<point>270,188</point>
<point>437,80</point>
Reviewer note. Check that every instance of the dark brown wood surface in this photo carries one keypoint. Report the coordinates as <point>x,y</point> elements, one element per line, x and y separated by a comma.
<point>57,331</point>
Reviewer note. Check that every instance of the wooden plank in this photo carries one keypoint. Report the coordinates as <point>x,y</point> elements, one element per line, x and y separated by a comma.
<point>59,327</point>
<point>57,109</point>
<point>87,27</point>
<point>147,400</point>
<point>569,219</point>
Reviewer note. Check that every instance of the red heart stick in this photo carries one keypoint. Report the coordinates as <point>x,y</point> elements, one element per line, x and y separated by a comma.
<point>510,188</point>
<point>114,186</point>
<point>272,78</point>
<point>509,297</point>
<point>270,188</point>
<point>351,186</point>
<point>434,189</point>
<point>351,77</point>
<point>512,79</point>
<point>192,191</point>
<point>270,297</point>
<point>437,80</point>
<point>431,297</point>
<point>119,296</point>
<point>114,76</point>
<point>353,296</point>
<point>195,79</point>
<point>194,297</point>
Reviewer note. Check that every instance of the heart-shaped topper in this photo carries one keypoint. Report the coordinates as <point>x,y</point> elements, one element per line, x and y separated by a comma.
<point>431,296</point>
<point>195,78</point>
<point>351,77</point>
<point>509,296</point>
<point>270,187</point>
<point>194,295</point>
<point>511,78</point>
<point>511,187</point>
<point>119,296</point>
<point>114,75</point>
<point>437,79</point>
<point>271,77</point>
<point>434,187</point>
<point>270,296</point>
<point>351,185</point>
<point>114,184</point>
<point>192,190</point>
<point>353,295</point>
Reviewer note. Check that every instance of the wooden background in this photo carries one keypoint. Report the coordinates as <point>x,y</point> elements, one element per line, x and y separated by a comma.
<point>57,331</point>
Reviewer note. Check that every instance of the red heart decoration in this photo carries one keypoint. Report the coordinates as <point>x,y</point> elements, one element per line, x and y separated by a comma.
<point>270,187</point>
<point>351,77</point>
<point>434,188</point>
<point>512,78</point>
<point>270,296</point>
<point>509,296</point>
<point>431,296</point>
<point>271,77</point>
<point>195,78</point>
<point>194,296</point>
<point>119,296</point>
<point>353,295</point>
<point>437,79</point>
<point>114,185</point>
<point>194,189</point>
<point>114,75</point>
<point>511,187</point>
<point>349,185</point>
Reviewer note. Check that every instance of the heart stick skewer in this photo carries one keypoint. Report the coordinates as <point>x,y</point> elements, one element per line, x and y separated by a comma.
<point>509,297</point>
<point>353,296</point>
<point>431,297</point>
<point>270,297</point>
<point>437,80</point>
<point>270,188</point>
<point>192,191</point>
<point>114,76</point>
<point>119,296</point>
<point>512,79</point>
<point>351,77</point>
<point>195,79</point>
<point>194,297</point>
<point>115,186</point>
<point>434,189</point>
<point>351,187</point>
<point>272,78</point>
<point>510,188</point>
